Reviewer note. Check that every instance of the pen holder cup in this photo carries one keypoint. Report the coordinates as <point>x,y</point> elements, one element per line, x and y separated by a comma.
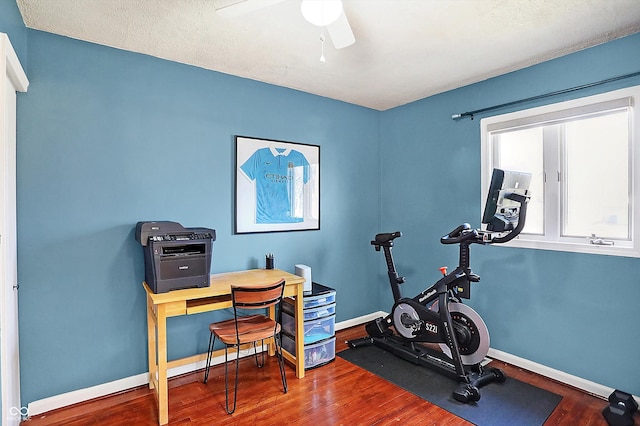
<point>270,262</point>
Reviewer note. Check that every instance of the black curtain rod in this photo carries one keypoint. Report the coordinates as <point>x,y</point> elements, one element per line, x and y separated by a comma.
<point>546,95</point>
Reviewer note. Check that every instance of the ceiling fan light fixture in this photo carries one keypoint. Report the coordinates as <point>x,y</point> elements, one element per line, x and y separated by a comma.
<point>321,12</point>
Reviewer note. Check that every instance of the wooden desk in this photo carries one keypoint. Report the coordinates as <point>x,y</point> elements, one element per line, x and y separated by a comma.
<point>196,300</point>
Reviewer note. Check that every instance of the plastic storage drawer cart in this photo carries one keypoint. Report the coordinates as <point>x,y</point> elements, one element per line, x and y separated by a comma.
<point>319,310</point>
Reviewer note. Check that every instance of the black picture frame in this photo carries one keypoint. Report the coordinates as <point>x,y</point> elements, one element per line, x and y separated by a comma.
<point>277,186</point>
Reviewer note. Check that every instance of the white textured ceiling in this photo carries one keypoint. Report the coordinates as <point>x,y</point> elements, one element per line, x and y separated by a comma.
<point>405,49</point>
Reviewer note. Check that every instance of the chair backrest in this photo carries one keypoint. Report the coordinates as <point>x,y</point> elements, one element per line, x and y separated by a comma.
<point>257,297</point>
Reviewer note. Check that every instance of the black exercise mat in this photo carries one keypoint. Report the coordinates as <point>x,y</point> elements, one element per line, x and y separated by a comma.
<point>512,403</point>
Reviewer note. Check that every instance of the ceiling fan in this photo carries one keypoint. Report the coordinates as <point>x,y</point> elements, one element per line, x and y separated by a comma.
<point>322,13</point>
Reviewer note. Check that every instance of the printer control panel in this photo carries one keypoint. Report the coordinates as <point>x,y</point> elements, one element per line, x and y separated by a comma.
<point>182,237</point>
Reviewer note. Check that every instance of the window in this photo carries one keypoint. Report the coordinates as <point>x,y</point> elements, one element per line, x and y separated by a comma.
<point>581,155</point>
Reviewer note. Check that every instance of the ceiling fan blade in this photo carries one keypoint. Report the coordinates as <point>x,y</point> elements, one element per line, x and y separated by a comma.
<point>233,9</point>
<point>340,32</point>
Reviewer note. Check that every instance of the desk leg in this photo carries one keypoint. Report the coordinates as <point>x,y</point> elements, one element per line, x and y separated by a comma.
<point>299,331</point>
<point>163,385</point>
<point>151,342</point>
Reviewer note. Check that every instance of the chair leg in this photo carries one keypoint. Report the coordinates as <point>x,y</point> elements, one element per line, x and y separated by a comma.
<point>212,341</point>
<point>226,380</point>
<point>255,355</point>
<point>281,362</point>
<point>259,363</point>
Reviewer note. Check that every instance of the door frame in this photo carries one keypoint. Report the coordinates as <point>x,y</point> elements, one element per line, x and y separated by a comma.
<point>12,80</point>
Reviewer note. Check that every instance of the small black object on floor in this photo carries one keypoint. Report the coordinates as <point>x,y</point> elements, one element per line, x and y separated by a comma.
<point>621,409</point>
<point>510,403</point>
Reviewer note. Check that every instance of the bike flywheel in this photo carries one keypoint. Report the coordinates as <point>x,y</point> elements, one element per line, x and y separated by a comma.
<point>475,346</point>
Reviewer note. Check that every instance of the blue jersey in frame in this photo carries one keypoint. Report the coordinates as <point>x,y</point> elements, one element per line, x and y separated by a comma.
<point>280,175</point>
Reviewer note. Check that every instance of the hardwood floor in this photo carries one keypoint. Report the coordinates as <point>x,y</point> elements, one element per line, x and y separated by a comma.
<point>336,394</point>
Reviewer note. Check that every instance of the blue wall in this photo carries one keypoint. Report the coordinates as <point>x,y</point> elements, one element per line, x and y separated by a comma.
<point>107,138</point>
<point>576,313</point>
<point>11,24</point>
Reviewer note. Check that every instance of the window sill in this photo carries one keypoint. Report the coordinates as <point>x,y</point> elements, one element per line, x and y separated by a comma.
<point>520,242</point>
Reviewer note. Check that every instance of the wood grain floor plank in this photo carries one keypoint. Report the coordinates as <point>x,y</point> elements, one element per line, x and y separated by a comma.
<point>338,393</point>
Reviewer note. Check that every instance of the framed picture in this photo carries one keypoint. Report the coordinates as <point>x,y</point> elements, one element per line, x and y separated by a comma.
<point>277,186</point>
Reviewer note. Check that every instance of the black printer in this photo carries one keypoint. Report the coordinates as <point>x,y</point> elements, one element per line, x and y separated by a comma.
<point>175,257</point>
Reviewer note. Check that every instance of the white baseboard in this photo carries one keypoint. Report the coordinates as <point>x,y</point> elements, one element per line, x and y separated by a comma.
<point>65,399</point>
<point>81,395</point>
<point>560,376</point>
<point>57,401</point>
<point>359,320</point>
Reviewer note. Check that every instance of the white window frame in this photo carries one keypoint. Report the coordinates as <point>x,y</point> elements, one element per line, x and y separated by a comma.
<point>568,108</point>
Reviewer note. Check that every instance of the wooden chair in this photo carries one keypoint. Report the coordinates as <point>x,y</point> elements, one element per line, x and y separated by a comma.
<point>241,330</point>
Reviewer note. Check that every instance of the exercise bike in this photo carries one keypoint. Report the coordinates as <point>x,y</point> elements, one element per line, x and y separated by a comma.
<point>437,315</point>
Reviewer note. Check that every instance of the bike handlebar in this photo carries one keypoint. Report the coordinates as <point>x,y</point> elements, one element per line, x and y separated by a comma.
<point>464,233</point>
<point>460,234</point>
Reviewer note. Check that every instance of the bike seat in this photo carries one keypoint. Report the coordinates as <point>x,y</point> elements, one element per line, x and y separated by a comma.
<point>386,237</point>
